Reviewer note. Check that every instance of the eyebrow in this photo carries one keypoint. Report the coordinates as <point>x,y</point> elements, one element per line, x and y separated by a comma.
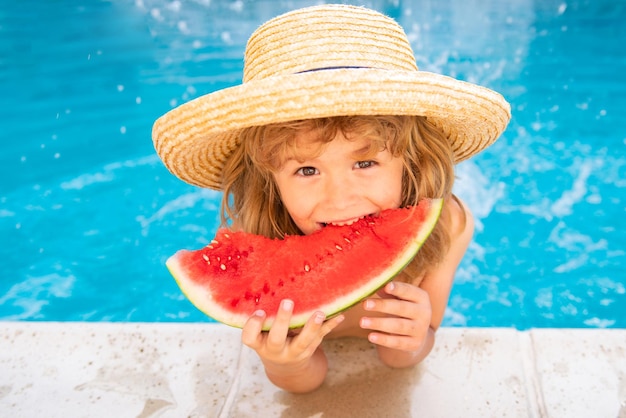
<point>364,150</point>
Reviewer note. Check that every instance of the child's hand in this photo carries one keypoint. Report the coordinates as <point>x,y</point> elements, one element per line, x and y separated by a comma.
<point>277,348</point>
<point>405,321</point>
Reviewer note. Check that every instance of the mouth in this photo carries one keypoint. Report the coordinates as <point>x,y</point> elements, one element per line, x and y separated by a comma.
<point>343,222</point>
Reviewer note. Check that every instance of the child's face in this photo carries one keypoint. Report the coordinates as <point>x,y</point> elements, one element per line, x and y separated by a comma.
<point>338,186</point>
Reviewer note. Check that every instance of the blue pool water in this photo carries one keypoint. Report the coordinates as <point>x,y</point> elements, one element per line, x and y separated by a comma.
<point>88,214</point>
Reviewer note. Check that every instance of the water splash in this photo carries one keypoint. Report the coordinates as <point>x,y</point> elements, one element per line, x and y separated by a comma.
<point>33,294</point>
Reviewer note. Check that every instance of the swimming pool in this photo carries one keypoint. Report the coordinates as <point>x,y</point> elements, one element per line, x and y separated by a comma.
<point>88,214</point>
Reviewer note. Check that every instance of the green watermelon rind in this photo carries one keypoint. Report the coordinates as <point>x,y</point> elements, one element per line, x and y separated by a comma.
<point>202,299</point>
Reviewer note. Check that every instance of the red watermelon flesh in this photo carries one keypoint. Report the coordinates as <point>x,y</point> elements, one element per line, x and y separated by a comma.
<point>329,270</point>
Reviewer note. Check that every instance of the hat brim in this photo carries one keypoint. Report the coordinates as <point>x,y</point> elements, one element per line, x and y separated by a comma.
<point>195,139</point>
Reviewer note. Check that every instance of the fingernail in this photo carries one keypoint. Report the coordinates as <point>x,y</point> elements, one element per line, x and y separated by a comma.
<point>391,286</point>
<point>259,313</point>
<point>319,318</point>
<point>287,304</point>
<point>365,322</point>
<point>369,304</point>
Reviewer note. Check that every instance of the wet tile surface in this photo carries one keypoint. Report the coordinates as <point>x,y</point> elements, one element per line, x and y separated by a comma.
<point>201,370</point>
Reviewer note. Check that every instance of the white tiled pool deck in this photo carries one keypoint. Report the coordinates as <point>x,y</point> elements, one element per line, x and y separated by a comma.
<point>50,369</point>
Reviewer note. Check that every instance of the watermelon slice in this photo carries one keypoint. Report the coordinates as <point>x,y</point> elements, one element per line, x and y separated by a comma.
<point>329,270</point>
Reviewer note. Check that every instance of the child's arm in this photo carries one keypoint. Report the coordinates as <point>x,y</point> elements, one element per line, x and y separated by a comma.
<point>296,364</point>
<point>406,334</point>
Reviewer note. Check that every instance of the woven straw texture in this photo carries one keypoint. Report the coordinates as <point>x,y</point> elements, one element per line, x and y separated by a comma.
<point>317,62</point>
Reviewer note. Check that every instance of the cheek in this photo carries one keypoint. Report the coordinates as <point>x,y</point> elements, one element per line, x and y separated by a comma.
<point>287,192</point>
<point>281,183</point>
<point>398,184</point>
<point>292,197</point>
<point>396,195</point>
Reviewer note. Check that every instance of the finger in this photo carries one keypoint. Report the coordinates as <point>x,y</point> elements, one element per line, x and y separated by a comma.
<point>403,300</point>
<point>394,307</point>
<point>311,335</point>
<point>251,333</point>
<point>312,326</point>
<point>394,326</point>
<point>277,336</point>
<point>397,342</point>
<point>332,323</point>
<point>406,291</point>
<point>317,327</point>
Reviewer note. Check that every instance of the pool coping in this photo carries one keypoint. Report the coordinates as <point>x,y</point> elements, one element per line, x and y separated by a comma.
<point>76,369</point>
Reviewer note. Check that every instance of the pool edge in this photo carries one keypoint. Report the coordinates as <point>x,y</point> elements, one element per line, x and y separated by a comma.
<point>181,369</point>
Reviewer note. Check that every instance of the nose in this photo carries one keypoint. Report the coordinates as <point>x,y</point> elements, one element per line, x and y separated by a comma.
<point>339,192</point>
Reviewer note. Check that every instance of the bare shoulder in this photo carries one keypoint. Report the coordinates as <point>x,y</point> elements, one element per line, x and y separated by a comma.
<point>438,280</point>
<point>460,222</point>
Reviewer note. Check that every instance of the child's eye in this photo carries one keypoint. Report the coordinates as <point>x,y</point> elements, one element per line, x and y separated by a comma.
<point>364,164</point>
<point>307,171</point>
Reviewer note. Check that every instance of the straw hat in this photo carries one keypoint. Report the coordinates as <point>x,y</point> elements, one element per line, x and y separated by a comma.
<point>324,61</point>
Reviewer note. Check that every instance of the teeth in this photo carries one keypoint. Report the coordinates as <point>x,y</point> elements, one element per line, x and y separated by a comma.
<point>350,222</point>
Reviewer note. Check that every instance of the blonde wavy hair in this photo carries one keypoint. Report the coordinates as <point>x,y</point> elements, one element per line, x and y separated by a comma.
<point>252,201</point>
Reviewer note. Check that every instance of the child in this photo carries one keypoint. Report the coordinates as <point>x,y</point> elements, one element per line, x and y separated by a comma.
<point>334,122</point>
